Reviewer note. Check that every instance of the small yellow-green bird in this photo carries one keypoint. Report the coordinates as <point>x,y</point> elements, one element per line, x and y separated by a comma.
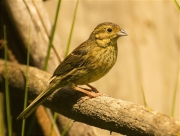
<point>87,63</point>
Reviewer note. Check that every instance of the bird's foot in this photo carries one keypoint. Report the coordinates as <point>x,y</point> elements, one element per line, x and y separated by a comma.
<point>92,88</point>
<point>88,92</point>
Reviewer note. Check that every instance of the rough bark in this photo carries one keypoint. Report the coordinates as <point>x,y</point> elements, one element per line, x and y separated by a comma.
<point>104,112</point>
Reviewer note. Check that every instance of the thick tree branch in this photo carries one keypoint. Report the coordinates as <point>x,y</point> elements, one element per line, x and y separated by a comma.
<point>103,112</point>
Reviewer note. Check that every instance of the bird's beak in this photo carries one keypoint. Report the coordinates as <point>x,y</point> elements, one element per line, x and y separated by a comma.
<point>122,33</point>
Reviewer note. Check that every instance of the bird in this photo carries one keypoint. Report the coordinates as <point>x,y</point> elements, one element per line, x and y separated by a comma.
<point>87,63</point>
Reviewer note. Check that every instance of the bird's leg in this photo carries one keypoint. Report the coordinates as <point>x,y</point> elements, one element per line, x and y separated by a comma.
<point>90,94</point>
<point>92,88</point>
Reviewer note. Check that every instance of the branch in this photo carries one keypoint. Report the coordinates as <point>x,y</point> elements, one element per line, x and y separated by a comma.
<point>103,112</point>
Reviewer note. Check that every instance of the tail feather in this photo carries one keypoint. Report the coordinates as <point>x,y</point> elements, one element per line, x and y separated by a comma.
<point>39,100</point>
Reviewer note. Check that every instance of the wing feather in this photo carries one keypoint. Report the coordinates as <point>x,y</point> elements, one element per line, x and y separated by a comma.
<point>73,60</point>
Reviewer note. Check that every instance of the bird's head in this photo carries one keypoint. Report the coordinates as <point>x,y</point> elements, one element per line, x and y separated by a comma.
<point>107,32</point>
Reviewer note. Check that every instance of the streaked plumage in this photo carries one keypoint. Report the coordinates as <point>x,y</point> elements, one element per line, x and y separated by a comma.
<point>87,63</point>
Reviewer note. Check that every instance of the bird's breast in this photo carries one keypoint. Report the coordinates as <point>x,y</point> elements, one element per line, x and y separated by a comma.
<point>97,64</point>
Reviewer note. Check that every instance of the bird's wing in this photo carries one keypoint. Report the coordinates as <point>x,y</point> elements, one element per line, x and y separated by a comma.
<point>73,60</point>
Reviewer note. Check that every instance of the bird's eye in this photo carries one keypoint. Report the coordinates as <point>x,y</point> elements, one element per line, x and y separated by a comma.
<point>109,30</point>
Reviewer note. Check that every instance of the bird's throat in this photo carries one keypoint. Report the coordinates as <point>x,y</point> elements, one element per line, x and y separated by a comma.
<point>103,42</point>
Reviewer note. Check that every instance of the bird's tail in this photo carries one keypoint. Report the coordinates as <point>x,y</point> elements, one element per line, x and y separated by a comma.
<point>40,99</point>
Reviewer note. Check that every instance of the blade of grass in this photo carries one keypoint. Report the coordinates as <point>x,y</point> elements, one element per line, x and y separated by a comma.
<point>66,128</point>
<point>2,128</point>
<point>53,121</point>
<point>175,1</point>
<point>8,109</point>
<point>52,35</point>
<point>48,55</point>
<point>26,84</point>
<point>51,40</point>
<point>72,28</point>
<point>144,98</point>
<point>53,124</point>
<point>50,44</point>
<point>67,51</point>
<point>175,91</point>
